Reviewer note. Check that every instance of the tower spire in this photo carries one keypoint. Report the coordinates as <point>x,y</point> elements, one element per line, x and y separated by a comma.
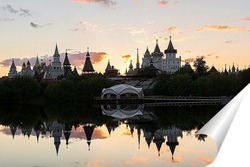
<point>137,60</point>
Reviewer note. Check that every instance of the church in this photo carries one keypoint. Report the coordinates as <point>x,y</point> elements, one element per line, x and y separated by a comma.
<point>167,62</point>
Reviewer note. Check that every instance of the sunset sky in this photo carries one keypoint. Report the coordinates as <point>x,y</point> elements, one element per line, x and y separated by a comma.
<point>114,29</point>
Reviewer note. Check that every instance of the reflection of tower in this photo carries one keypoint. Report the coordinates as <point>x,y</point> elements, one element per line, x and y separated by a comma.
<point>139,136</point>
<point>13,130</point>
<point>89,129</point>
<point>148,134</point>
<point>132,129</point>
<point>88,67</point>
<point>111,126</point>
<point>67,132</point>
<point>57,129</point>
<point>158,139</point>
<point>172,133</point>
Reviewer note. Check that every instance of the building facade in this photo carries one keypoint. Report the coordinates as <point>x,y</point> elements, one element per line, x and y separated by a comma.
<point>166,61</point>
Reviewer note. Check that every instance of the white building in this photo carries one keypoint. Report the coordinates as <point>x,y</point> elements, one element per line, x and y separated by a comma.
<point>168,62</point>
<point>57,69</point>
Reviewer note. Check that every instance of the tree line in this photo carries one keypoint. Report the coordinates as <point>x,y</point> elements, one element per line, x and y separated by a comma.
<point>75,89</point>
<point>201,82</point>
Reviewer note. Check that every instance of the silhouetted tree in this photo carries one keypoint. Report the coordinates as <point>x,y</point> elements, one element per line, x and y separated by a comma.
<point>200,66</point>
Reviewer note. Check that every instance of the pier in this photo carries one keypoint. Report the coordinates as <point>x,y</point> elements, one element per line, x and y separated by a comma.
<point>168,100</point>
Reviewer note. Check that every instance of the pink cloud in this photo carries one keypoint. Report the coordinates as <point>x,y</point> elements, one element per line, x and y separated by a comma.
<point>222,28</point>
<point>173,30</point>
<point>107,3</point>
<point>163,2</point>
<point>207,160</point>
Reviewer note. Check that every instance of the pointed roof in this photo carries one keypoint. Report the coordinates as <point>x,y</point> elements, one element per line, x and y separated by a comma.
<point>88,132</point>
<point>147,51</point>
<point>157,48</point>
<point>213,70</point>
<point>66,60</point>
<point>75,71</point>
<point>170,48</point>
<point>88,67</point>
<point>56,54</point>
<point>108,66</point>
<point>37,62</point>
<point>13,66</point>
<point>172,146</point>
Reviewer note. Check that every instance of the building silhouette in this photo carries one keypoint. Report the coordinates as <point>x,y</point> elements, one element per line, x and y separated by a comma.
<point>88,67</point>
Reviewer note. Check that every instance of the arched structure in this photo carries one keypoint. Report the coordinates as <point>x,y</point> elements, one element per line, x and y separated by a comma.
<point>118,91</point>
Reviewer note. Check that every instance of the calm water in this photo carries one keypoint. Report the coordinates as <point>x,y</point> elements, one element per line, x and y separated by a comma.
<point>134,135</point>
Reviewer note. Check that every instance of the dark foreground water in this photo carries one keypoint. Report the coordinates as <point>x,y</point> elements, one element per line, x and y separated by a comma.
<point>109,135</point>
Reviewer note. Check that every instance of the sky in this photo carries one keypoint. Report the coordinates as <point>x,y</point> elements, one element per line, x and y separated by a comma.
<point>114,30</point>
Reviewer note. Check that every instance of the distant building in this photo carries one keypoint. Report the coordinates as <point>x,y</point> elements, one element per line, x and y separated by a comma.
<point>12,72</point>
<point>56,69</point>
<point>111,71</point>
<point>66,65</point>
<point>88,67</point>
<point>168,64</point>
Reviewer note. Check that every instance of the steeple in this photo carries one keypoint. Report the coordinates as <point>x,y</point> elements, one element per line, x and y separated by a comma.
<point>28,65</point>
<point>56,54</point>
<point>170,48</point>
<point>12,71</point>
<point>157,48</point>
<point>137,60</point>
<point>37,62</point>
<point>88,67</point>
<point>66,64</point>
<point>108,66</point>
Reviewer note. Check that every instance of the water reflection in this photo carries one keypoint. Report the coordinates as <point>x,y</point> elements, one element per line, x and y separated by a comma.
<point>156,128</point>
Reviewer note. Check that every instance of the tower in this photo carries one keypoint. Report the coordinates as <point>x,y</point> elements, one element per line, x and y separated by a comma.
<point>66,65</point>
<point>12,72</point>
<point>157,56</point>
<point>37,66</point>
<point>137,61</point>
<point>146,59</point>
<point>88,67</point>
<point>56,69</point>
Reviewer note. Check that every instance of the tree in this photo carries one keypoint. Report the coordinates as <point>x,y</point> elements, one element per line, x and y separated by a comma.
<point>201,69</point>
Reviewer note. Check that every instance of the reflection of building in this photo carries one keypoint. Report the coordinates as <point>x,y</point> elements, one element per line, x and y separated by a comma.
<point>89,129</point>
<point>172,133</point>
<point>57,129</point>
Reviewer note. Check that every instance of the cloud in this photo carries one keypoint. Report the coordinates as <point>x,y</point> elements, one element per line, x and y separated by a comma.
<point>176,159</point>
<point>107,3</point>
<point>21,12</point>
<point>207,160</point>
<point>135,30</point>
<point>89,26</point>
<point>6,19</point>
<point>189,60</point>
<point>173,30</point>
<point>247,19</point>
<point>134,161</point>
<point>222,28</point>
<point>162,2</point>
<point>24,12</point>
<point>34,25</point>
<point>10,9</point>
<point>126,58</point>
<point>78,58</point>
<point>229,41</point>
